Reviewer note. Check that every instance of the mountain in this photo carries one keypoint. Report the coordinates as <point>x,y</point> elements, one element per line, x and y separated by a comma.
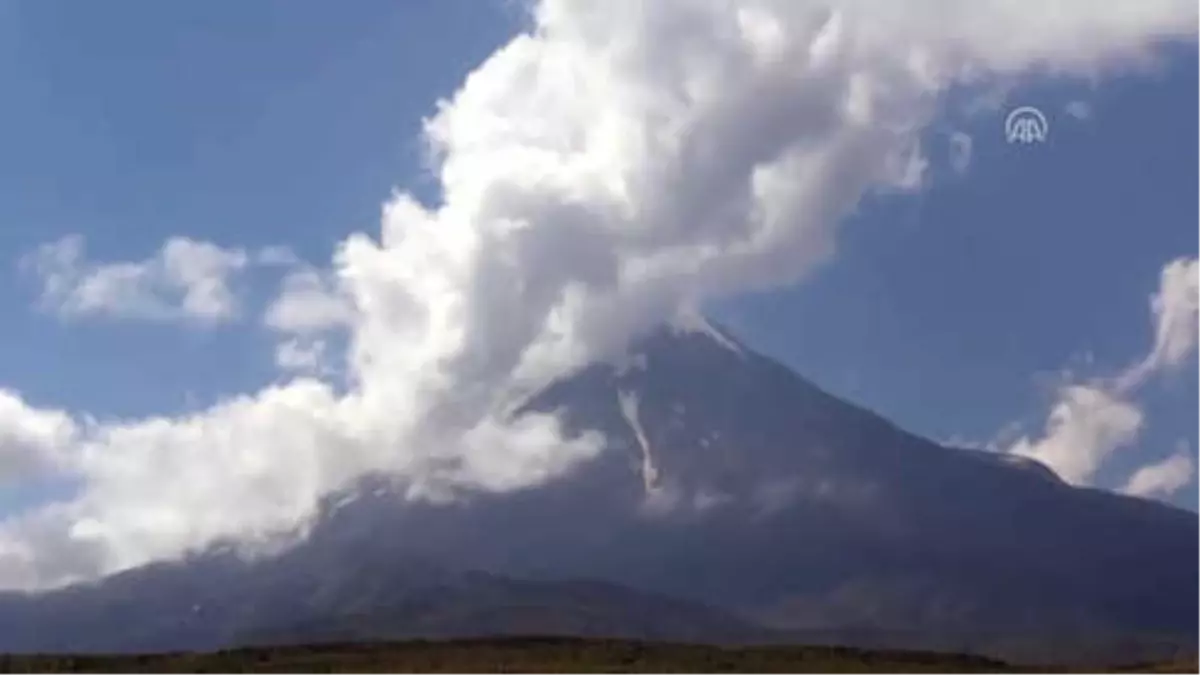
<point>367,589</point>
<point>731,480</point>
<point>734,501</point>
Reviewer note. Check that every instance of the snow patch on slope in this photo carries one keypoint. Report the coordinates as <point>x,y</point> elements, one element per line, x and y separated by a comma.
<point>628,402</point>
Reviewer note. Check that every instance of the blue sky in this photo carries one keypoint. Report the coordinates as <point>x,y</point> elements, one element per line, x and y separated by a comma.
<point>952,311</point>
<point>269,123</point>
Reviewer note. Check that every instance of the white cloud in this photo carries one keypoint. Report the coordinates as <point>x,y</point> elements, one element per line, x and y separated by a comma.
<point>304,355</point>
<point>1175,308</point>
<point>1089,422</point>
<point>309,308</point>
<point>621,160</point>
<point>1085,426</point>
<point>184,280</point>
<point>309,303</point>
<point>32,441</point>
<point>1177,312</point>
<point>1163,478</point>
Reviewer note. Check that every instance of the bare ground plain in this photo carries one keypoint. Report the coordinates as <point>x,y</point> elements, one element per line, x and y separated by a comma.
<point>552,656</point>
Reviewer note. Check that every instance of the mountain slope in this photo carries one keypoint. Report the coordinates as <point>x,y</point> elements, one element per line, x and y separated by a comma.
<point>806,511</point>
<point>364,589</point>
<point>482,605</point>
<point>728,482</point>
<point>731,480</point>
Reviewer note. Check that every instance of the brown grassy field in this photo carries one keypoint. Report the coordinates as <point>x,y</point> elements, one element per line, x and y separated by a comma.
<point>529,655</point>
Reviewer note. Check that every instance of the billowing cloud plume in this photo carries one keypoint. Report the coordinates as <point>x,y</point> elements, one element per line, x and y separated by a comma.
<point>184,280</point>
<point>1163,478</point>
<point>619,161</point>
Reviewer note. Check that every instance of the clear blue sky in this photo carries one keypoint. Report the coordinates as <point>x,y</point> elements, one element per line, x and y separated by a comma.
<point>281,122</point>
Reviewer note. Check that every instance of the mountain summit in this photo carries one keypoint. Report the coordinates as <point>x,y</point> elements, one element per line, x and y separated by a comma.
<point>733,500</point>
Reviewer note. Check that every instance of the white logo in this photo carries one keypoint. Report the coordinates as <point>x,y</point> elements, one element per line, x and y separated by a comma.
<point>1026,125</point>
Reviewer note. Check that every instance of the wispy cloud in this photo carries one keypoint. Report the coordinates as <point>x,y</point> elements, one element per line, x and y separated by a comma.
<point>185,280</point>
<point>1163,478</point>
<point>1174,308</point>
<point>1086,424</point>
<point>309,302</point>
<point>1090,421</point>
<point>310,310</point>
<point>960,151</point>
<point>1080,110</point>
